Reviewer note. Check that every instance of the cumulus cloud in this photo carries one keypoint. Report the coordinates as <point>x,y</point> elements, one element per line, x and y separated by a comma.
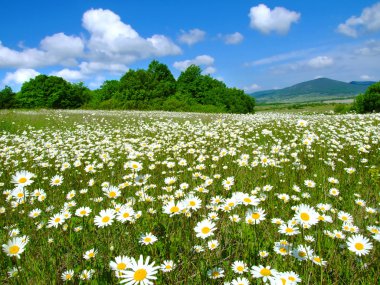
<point>320,62</point>
<point>113,41</point>
<point>366,77</point>
<point>192,37</point>
<point>20,76</point>
<point>205,61</point>
<point>368,21</point>
<point>232,39</point>
<point>370,48</point>
<point>251,88</point>
<point>69,74</point>
<point>277,20</point>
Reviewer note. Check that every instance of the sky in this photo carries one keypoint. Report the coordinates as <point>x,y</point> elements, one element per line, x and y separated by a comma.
<point>251,45</point>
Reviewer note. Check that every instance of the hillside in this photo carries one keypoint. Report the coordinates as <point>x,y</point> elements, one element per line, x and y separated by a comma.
<point>312,91</point>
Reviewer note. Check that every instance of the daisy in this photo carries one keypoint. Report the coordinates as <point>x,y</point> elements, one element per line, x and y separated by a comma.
<point>15,246</point>
<point>22,178</point>
<point>167,266</point>
<point>125,213</point>
<point>148,238</point>
<point>172,208</point>
<point>192,202</point>
<point>306,215</point>
<point>239,267</point>
<point>318,260</point>
<point>112,192</point>
<point>288,277</point>
<point>263,272</point>
<point>105,218</point>
<point>56,180</point>
<point>67,275</point>
<point>35,213</point>
<point>56,220</point>
<point>139,272</point>
<point>83,212</point>
<point>359,244</point>
<point>120,263</point>
<point>204,229</point>
<point>240,281</point>
<point>255,216</point>
<point>90,254</point>
<point>303,252</point>
<point>86,274</point>
<point>20,194</point>
<point>213,244</point>
<point>215,273</point>
<point>288,229</point>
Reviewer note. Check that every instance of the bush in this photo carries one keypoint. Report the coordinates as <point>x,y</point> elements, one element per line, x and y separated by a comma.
<point>369,101</point>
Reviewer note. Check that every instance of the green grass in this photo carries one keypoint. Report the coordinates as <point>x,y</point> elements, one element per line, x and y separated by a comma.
<point>214,147</point>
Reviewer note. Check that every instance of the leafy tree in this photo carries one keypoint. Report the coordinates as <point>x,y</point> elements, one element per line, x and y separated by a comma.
<point>51,92</point>
<point>369,101</point>
<point>7,98</point>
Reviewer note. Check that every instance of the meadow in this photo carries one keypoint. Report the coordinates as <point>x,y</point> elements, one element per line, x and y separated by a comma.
<point>95,197</point>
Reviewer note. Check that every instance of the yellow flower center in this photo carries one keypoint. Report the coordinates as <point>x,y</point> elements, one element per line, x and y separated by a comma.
<point>255,216</point>
<point>317,259</point>
<point>247,200</point>
<point>168,267</point>
<point>359,246</point>
<point>140,274</point>
<point>291,278</point>
<point>112,194</point>
<point>302,253</point>
<point>175,209</point>
<point>121,266</point>
<point>105,219</point>
<point>205,230</point>
<point>283,250</point>
<point>265,272</point>
<point>240,268</point>
<point>83,212</point>
<point>126,215</point>
<point>68,276</point>
<point>215,274</point>
<point>14,249</point>
<point>56,181</point>
<point>91,254</point>
<point>57,220</point>
<point>147,239</point>
<point>289,230</point>
<point>305,216</point>
<point>192,203</point>
<point>22,180</point>
<point>20,195</point>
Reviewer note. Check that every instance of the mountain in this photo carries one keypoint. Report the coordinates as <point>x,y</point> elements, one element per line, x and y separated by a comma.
<point>313,91</point>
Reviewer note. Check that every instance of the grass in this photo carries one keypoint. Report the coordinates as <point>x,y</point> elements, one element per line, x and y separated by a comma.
<point>267,157</point>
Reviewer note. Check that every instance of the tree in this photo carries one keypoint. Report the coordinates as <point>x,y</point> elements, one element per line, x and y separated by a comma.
<point>369,101</point>
<point>51,92</point>
<point>7,98</point>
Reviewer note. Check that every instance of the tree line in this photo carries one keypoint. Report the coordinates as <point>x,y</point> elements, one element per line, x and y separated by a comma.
<point>151,89</point>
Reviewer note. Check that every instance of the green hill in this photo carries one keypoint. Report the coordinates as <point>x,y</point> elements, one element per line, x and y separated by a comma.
<point>312,91</point>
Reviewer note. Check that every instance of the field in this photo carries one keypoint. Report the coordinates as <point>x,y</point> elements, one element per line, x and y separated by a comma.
<point>179,198</point>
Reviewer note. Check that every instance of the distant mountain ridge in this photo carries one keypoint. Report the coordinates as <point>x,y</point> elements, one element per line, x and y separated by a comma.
<point>312,91</point>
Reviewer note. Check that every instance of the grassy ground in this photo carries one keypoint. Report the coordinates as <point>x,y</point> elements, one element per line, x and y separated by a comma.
<point>244,175</point>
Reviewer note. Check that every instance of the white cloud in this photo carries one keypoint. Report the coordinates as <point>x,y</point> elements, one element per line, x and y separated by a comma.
<point>370,48</point>
<point>232,39</point>
<point>280,57</point>
<point>368,21</point>
<point>209,70</point>
<point>69,74</point>
<point>320,62</point>
<point>277,20</point>
<point>113,41</point>
<point>366,77</point>
<point>191,37</point>
<point>20,76</point>
<point>62,46</point>
<point>251,88</point>
<point>201,60</point>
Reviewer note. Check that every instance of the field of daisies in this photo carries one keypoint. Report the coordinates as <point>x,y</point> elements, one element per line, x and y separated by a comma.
<point>179,198</point>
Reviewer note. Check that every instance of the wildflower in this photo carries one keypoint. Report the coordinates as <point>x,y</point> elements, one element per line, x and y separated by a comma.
<point>90,254</point>
<point>67,275</point>
<point>288,229</point>
<point>86,274</point>
<point>240,281</point>
<point>306,215</point>
<point>213,244</point>
<point>167,266</point>
<point>56,180</point>
<point>318,260</point>
<point>23,178</point>
<point>139,272</point>
<point>215,273</point>
<point>204,229</point>
<point>263,272</point>
<point>239,267</point>
<point>359,244</point>
<point>125,213</point>
<point>120,263</point>
<point>15,246</point>
<point>105,218</point>
<point>255,216</point>
<point>56,220</point>
<point>148,238</point>
<point>83,212</point>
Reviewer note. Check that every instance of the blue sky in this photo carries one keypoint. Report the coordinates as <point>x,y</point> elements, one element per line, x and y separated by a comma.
<point>253,45</point>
